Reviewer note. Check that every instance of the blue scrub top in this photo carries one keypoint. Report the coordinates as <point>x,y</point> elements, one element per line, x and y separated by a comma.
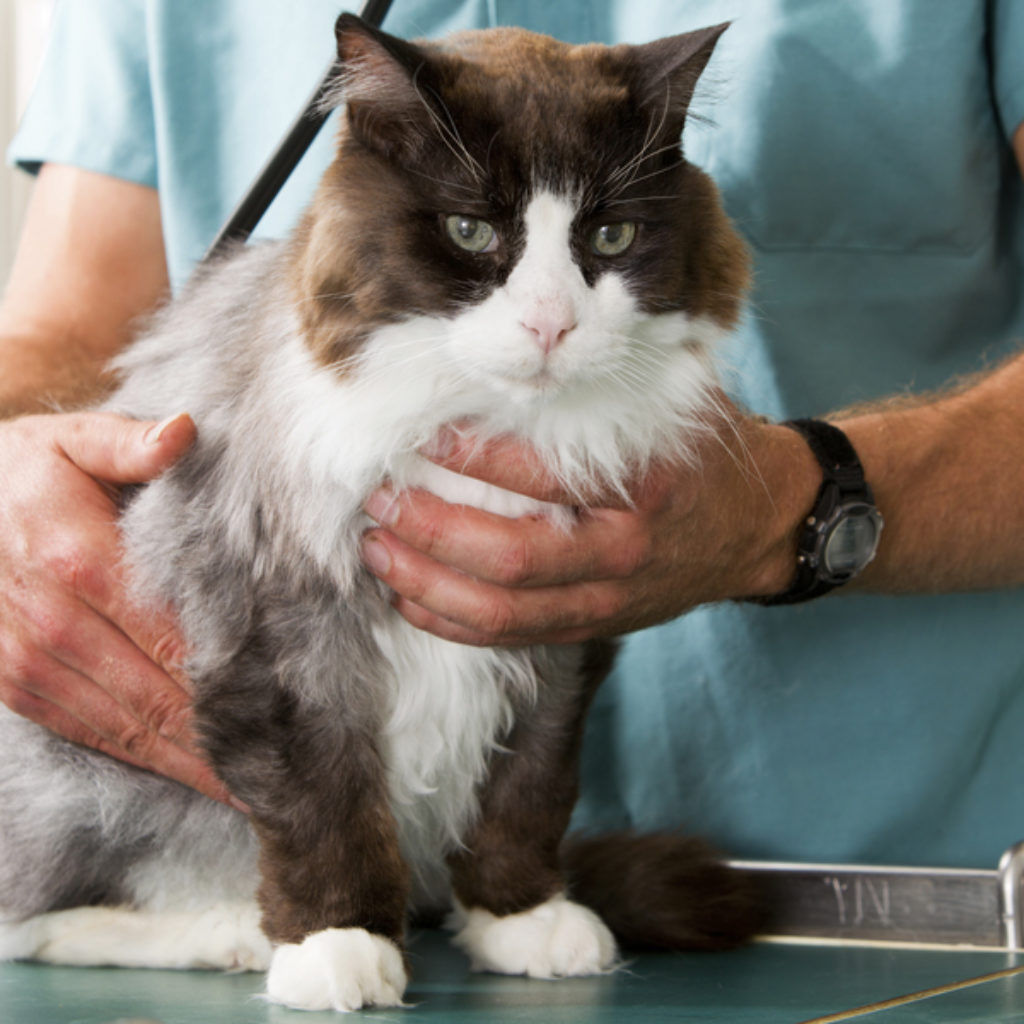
<point>862,148</point>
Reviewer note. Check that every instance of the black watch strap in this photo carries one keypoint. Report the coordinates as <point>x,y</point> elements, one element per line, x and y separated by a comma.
<point>842,483</point>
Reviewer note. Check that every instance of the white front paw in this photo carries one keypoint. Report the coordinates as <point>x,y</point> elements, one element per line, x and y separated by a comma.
<point>337,969</point>
<point>557,939</point>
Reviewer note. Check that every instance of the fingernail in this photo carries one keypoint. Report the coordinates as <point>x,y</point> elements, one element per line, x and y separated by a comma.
<point>376,557</point>
<point>156,432</point>
<point>239,806</point>
<point>382,506</point>
<point>441,446</point>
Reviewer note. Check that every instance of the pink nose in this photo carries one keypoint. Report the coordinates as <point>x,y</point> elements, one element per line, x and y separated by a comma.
<point>548,329</point>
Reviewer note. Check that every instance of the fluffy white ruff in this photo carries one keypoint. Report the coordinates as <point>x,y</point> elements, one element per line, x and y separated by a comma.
<point>224,937</point>
<point>557,939</point>
<point>339,969</point>
<point>448,706</point>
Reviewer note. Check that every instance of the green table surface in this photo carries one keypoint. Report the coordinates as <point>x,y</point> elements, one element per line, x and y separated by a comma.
<point>764,983</point>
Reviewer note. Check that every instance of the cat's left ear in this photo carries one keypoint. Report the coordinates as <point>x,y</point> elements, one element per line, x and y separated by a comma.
<point>386,84</point>
<point>667,72</point>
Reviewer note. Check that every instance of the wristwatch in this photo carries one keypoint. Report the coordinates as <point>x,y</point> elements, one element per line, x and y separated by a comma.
<point>840,535</point>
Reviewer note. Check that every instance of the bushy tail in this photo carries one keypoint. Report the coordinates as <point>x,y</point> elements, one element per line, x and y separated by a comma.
<point>662,891</point>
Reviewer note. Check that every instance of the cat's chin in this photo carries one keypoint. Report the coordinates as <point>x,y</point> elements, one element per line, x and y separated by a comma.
<point>541,389</point>
<point>535,391</point>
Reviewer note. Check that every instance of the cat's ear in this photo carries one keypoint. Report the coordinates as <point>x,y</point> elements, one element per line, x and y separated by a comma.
<point>667,72</point>
<point>386,85</point>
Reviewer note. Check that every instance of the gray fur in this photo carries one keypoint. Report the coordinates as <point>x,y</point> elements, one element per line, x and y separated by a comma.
<point>77,827</point>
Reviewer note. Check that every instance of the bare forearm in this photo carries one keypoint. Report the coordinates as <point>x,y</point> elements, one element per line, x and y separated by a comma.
<point>39,374</point>
<point>947,477</point>
<point>89,264</point>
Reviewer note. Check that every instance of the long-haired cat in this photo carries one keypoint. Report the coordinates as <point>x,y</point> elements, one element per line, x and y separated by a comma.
<point>510,238</point>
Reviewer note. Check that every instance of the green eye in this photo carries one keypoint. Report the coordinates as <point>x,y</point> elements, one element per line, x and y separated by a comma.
<point>471,234</point>
<point>612,239</point>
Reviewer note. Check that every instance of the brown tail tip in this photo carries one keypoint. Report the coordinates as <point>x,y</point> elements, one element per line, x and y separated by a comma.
<point>662,891</point>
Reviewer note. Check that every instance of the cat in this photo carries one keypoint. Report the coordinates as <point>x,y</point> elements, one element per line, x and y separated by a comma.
<point>509,237</point>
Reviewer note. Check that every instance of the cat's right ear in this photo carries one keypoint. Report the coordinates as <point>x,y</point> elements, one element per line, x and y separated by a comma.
<point>667,71</point>
<point>386,86</point>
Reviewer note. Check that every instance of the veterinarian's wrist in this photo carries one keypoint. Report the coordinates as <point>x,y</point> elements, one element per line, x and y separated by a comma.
<point>783,481</point>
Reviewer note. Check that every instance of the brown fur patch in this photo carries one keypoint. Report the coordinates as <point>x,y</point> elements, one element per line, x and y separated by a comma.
<point>510,861</point>
<point>313,777</point>
<point>344,873</point>
<point>714,270</point>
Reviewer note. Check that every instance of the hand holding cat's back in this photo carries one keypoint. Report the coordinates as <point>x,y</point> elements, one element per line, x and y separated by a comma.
<point>76,655</point>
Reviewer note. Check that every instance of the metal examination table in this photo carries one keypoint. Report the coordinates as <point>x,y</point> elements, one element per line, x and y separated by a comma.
<point>881,945</point>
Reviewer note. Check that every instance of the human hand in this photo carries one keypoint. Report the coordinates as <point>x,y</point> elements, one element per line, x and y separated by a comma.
<point>76,655</point>
<point>723,528</point>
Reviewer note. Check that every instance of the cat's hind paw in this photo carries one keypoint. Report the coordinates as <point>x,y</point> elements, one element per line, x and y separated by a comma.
<point>557,939</point>
<point>226,936</point>
<point>337,969</point>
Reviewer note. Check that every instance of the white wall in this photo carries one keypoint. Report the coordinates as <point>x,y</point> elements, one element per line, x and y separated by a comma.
<point>23,26</point>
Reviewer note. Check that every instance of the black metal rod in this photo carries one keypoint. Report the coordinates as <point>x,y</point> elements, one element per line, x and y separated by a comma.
<point>285,158</point>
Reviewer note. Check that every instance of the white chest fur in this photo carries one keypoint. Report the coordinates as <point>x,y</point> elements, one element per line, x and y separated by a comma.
<point>448,708</point>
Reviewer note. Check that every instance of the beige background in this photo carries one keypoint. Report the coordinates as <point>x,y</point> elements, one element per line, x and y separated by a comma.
<point>23,26</point>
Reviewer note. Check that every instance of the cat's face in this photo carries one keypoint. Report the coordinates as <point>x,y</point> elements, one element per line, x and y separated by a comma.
<point>529,196</point>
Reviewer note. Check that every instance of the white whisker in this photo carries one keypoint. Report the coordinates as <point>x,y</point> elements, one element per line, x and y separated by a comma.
<point>449,134</point>
<point>640,199</point>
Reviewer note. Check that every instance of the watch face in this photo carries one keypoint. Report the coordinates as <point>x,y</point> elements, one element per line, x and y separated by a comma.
<point>852,540</point>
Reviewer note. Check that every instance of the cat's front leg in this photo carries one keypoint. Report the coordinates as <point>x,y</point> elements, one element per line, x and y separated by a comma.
<point>512,913</point>
<point>334,899</point>
<point>333,886</point>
